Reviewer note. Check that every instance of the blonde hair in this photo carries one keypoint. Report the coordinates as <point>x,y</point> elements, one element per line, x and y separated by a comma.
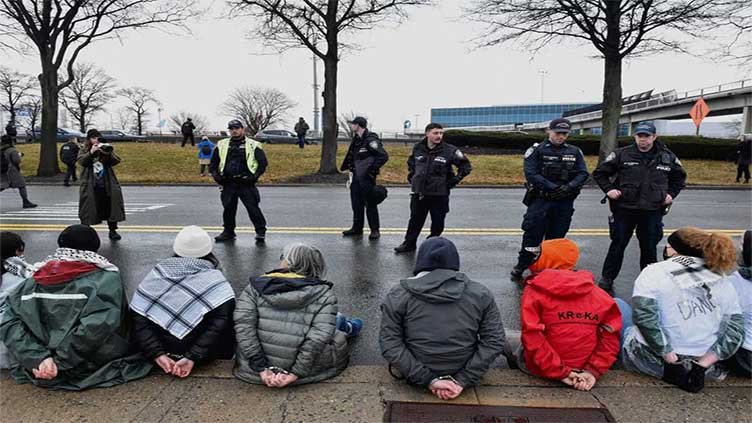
<point>718,249</point>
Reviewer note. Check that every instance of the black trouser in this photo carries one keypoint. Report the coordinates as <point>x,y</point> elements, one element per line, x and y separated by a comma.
<point>187,137</point>
<point>70,173</point>
<point>742,169</point>
<point>249,195</point>
<point>437,206</point>
<point>203,168</point>
<point>649,226</point>
<point>740,363</point>
<point>360,191</point>
<point>104,206</point>
<point>544,219</point>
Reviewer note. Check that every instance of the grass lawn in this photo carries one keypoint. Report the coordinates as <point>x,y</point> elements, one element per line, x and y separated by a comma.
<point>169,163</point>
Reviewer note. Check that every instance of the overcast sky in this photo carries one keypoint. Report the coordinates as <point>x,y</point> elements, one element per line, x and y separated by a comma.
<point>400,72</point>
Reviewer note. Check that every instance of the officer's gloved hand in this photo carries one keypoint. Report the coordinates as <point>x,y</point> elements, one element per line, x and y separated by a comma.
<point>563,191</point>
<point>247,179</point>
<point>453,182</point>
<point>219,179</point>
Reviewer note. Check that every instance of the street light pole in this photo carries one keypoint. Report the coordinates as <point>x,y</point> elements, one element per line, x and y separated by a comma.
<point>159,122</point>
<point>315,97</point>
<point>543,74</point>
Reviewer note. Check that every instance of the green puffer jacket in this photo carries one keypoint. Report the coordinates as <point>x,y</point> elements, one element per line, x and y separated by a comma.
<point>285,320</point>
<point>80,323</point>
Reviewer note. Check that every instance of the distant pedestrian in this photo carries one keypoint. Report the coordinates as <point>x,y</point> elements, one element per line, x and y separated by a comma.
<point>69,155</point>
<point>301,128</point>
<point>187,129</point>
<point>205,150</point>
<point>743,158</point>
<point>10,170</point>
<point>10,130</point>
<point>100,195</point>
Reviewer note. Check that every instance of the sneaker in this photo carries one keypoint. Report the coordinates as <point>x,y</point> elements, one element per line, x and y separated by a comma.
<point>115,236</point>
<point>353,327</point>
<point>516,275</point>
<point>607,285</point>
<point>260,237</point>
<point>375,234</point>
<point>28,205</point>
<point>405,247</point>
<point>352,232</point>
<point>225,236</point>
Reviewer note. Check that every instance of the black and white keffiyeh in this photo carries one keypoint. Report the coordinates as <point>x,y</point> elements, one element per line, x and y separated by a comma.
<point>178,292</point>
<point>19,267</point>
<point>69,254</point>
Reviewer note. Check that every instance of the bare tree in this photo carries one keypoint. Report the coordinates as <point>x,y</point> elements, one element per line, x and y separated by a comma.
<point>124,119</point>
<point>61,30</point>
<point>258,108</point>
<point>33,106</point>
<point>139,99</point>
<point>15,86</point>
<point>344,123</point>
<point>89,92</point>
<point>616,28</point>
<point>321,26</point>
<point>176,121</point>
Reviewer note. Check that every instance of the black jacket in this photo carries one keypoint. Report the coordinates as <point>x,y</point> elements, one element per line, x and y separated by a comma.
<point>236,166</point>
<point>744,152</point>
<point>187,128</point>
<point>643,178</point>
<point>365,156</point>
<point>430,171</point>
<point>548,166</point>
<point>69,153</point>
<point>207,341</point>
<point>441,324</point>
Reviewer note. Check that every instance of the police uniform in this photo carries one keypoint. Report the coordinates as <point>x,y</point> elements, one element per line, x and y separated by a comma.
<point>236,165</point>
<point>644,179</point>
<point>364,158</point>
<point>431,176</point>
<point>555,175</point>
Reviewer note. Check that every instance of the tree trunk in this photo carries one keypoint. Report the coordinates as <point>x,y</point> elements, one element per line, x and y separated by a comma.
<point>329,115</point>
<point>139,122</point>
<point>48,165</point>
<point>82,123</point>
<point>612,99</point>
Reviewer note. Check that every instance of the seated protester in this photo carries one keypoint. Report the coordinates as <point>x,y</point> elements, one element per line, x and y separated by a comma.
<point>182,310</point>
<point>440,329</point>
<point>287,326</point>
<point>741,362</point>
<point>570,327</point>
<point>686,312</point>
<point>67,323</point>
<point>15,270</point>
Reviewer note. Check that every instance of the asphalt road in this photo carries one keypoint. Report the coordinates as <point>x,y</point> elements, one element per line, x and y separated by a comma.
<point>483,223</point>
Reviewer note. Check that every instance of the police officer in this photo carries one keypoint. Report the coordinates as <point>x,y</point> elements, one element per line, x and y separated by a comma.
<point>555,173</point>
<point>236,164</point>
<point>431,177</point>
<point>363,160</point>
<point>641,182</point>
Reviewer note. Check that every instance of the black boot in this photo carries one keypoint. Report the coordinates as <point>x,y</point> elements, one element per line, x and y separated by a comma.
<point>352,232</point>
<point>114,235</point>
<point>516,275</point>
<point>28,204</point>
<point>607,285</point>
<point>405,247</point>
<point>260,237</point>
<point>225,236</point>
<point>375,234</point>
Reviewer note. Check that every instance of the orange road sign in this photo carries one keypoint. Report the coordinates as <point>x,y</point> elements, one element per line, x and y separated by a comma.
<point>699,111</point>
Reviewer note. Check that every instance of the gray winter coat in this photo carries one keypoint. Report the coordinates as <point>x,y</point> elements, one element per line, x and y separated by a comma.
<point>87,203</point>
<point>287,321</point>
<point>13,179</point>
<point>441,324</point>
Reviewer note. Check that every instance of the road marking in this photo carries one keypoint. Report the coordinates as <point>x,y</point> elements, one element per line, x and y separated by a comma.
<point>33,227</point>
<point>69,211</point>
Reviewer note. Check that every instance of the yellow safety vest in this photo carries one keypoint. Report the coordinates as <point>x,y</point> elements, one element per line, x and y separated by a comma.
<point>250,153</point>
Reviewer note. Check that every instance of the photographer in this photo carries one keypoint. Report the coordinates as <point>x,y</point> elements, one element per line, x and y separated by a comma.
<point>100,195</point>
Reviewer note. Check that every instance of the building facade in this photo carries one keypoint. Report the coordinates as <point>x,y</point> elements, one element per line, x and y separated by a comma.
<point>458,117</point>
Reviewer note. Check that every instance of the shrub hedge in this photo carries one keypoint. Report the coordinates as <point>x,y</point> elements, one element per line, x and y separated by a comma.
<point>685,147</point>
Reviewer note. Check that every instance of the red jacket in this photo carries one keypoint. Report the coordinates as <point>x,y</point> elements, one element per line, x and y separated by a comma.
<point>568,323</point>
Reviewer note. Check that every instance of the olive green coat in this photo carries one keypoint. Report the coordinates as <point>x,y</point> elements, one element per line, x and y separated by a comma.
<point>87,204</point>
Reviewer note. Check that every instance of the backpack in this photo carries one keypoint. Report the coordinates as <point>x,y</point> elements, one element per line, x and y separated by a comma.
<point>206,149</point>
<point>4,163</point>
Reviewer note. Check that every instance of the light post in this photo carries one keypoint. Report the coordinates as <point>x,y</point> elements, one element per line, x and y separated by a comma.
<point>159,122</point>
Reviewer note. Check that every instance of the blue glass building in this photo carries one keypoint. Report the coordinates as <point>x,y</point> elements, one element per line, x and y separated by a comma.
<point>501,115</point>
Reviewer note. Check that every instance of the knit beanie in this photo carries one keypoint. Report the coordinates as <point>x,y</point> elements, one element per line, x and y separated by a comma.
<point>79,237</point>
<point>678,242</point>
<point>556,254</point>
<point>747,248</point>
<point>192,242</point>
<point>437,253</point>
<point>93,133</point>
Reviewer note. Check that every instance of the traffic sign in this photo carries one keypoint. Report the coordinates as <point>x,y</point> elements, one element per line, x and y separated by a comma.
<point>699,111</point>
<point>407,124</point>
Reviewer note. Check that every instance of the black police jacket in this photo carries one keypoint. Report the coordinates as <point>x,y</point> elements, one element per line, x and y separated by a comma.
<point>548,166</point>
<point>69,153</point>
<point>430,171</point>
<point>365,156</point>
<point>644,179</point>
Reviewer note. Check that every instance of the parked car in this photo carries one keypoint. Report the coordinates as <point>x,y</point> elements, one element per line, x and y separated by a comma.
<point>276,136</point>
<point>110,135</point>
<point>63,134</point>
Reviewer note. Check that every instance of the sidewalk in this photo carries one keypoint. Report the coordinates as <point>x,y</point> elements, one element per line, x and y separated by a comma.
<point>358,395</point>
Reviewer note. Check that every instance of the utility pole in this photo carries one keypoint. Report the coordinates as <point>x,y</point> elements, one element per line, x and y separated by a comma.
<point>416,116</point>
<point>543,74</point>
<point>316,86</point>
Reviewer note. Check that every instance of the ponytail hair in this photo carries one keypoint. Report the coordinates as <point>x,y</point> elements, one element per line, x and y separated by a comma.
<point>715,248</point>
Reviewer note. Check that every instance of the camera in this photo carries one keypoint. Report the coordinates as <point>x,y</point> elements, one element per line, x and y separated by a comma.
<point>106,148</point>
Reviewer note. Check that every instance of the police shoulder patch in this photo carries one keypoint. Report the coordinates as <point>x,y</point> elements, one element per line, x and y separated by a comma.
<point>459,154</point>
<point>677,161</point>
<point>374,145</point>
<point>610,157</point>
<point>530,150</point>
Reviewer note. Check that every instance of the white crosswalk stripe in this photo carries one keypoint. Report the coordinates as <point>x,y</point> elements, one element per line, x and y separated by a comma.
<point>69,211</point>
